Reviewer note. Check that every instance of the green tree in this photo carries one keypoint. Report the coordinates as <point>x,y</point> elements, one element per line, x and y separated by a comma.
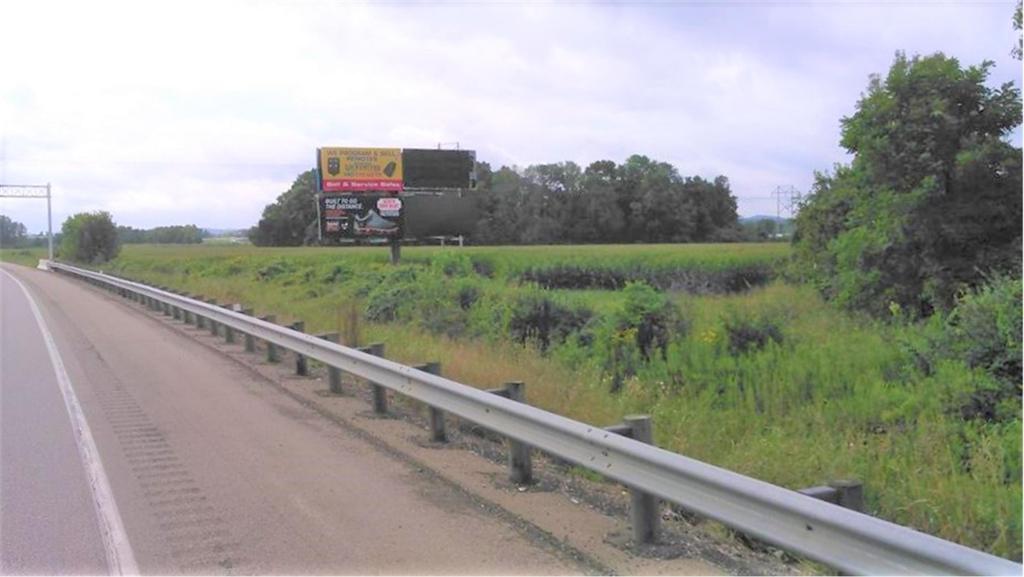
<point>12,232</point>
<point>291,219</point>
<point>931,201</point>
<point>89,237</point>
<point>1018,50</point>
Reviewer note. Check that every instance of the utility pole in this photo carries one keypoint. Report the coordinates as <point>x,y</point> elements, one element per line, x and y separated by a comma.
<point>792,200</point>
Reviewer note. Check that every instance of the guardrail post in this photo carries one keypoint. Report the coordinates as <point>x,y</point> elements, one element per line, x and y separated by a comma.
<point>850,493</point>
<point>520,465</point>
<point>438,430</point>
<point>644,514</point>
<point>250,342</point>
<point>213,323</point>
<point>200,320</point>
<point>165,307</point>
<point>161,306</point>
<point>380,394</point>
<point>187,314</point>
<point>301,366</point>
<point>229,333</point>
<point>333,373</point>
<point>845,493</point>
<point>271,347</point>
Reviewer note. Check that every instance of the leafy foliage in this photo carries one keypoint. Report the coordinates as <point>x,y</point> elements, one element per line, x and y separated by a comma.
<point>89,237</point>
<point>638,331</point>
<point>12,232</point>
<point>536,318</point>
<point>177,234</point>
<point>640,200</point>
<point>751,333</point>
<point>932,199</point>
<point>291,219</point>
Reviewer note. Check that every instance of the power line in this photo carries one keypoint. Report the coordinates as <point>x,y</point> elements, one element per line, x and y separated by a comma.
<point>789,197</point>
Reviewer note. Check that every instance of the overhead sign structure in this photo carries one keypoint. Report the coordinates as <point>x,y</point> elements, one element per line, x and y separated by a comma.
<point>359,169</point>
<point>361,216</point>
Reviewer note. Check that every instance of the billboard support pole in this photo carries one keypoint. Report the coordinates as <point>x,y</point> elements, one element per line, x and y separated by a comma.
<point>396,250</point>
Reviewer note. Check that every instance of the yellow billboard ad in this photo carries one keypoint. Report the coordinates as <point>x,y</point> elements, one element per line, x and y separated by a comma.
<point>360,169</point>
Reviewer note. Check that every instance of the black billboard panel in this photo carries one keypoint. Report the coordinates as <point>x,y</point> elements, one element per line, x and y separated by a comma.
<point>361,216</point>
<point>438,169</point>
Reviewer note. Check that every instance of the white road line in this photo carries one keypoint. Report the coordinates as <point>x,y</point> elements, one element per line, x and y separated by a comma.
<point>120,559</point>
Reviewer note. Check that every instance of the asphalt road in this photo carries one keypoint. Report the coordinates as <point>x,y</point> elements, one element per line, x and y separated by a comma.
<point>210,471</point>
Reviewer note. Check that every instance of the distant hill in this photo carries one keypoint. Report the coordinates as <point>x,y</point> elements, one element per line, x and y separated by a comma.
<point>760,217</point>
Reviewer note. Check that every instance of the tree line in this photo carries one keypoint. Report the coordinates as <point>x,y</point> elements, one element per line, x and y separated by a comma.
<point>176,234</point>
<point>640,200</point>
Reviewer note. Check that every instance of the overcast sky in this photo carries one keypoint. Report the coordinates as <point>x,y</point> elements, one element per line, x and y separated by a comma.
<point>175,112</point>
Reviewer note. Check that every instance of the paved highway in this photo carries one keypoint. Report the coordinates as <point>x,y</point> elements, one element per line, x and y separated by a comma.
<point>210,472</point>
<point>132,444</point>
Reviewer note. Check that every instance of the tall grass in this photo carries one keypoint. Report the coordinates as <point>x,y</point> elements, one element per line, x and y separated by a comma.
<point>825,395</point>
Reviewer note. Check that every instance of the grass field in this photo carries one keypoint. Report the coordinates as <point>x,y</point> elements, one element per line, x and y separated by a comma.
<point>757,375</point>
<point>23,256</point>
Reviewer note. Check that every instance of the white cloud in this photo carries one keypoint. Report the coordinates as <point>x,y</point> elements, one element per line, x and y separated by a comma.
<point>205,111</point>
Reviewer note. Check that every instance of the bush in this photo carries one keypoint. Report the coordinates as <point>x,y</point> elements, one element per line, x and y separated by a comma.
<point>985,330</point>
<point>467,294</point>
<point>645,324</point>
<point>338,273</point>
<point>535,317</point>
<point>274,270</point>
<point>89,237</point>
<point>387,302</point>
<point>747,334</point>
<point>452,263</point>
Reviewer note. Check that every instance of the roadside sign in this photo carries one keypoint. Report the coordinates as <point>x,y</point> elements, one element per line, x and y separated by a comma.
<point>361,215</point>
<point>359,169</point>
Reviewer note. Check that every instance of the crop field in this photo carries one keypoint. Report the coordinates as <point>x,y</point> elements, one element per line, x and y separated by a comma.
<point>737,367</point>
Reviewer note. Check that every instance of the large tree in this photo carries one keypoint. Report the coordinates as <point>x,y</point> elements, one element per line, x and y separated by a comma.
<point>12,232</point>
<point>89,237</point>
<point>291,219</point>
<point>931,202</point>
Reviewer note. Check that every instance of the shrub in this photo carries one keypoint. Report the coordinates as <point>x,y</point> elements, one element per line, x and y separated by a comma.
<point>983,331</point>
<point>467,294</point>
<point>483,267</point>
<point>751,333</point>
<point>645,324</point>
<point>452,263</point>
<point>394,297</point>
<point>274,270</point>
<point>89,237</point>
<point>338,273</point>
<point>535,317</point>
<point>651,316</point>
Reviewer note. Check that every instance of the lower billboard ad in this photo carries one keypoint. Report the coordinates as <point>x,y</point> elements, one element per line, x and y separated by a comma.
<point>361,216</point>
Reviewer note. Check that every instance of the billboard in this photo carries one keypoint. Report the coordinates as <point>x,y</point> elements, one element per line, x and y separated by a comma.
<point>359,169</point>
<point>361,215</point>
<point>438,169</point>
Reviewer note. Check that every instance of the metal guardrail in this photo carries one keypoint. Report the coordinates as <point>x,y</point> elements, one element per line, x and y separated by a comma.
<point>848,541</point>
